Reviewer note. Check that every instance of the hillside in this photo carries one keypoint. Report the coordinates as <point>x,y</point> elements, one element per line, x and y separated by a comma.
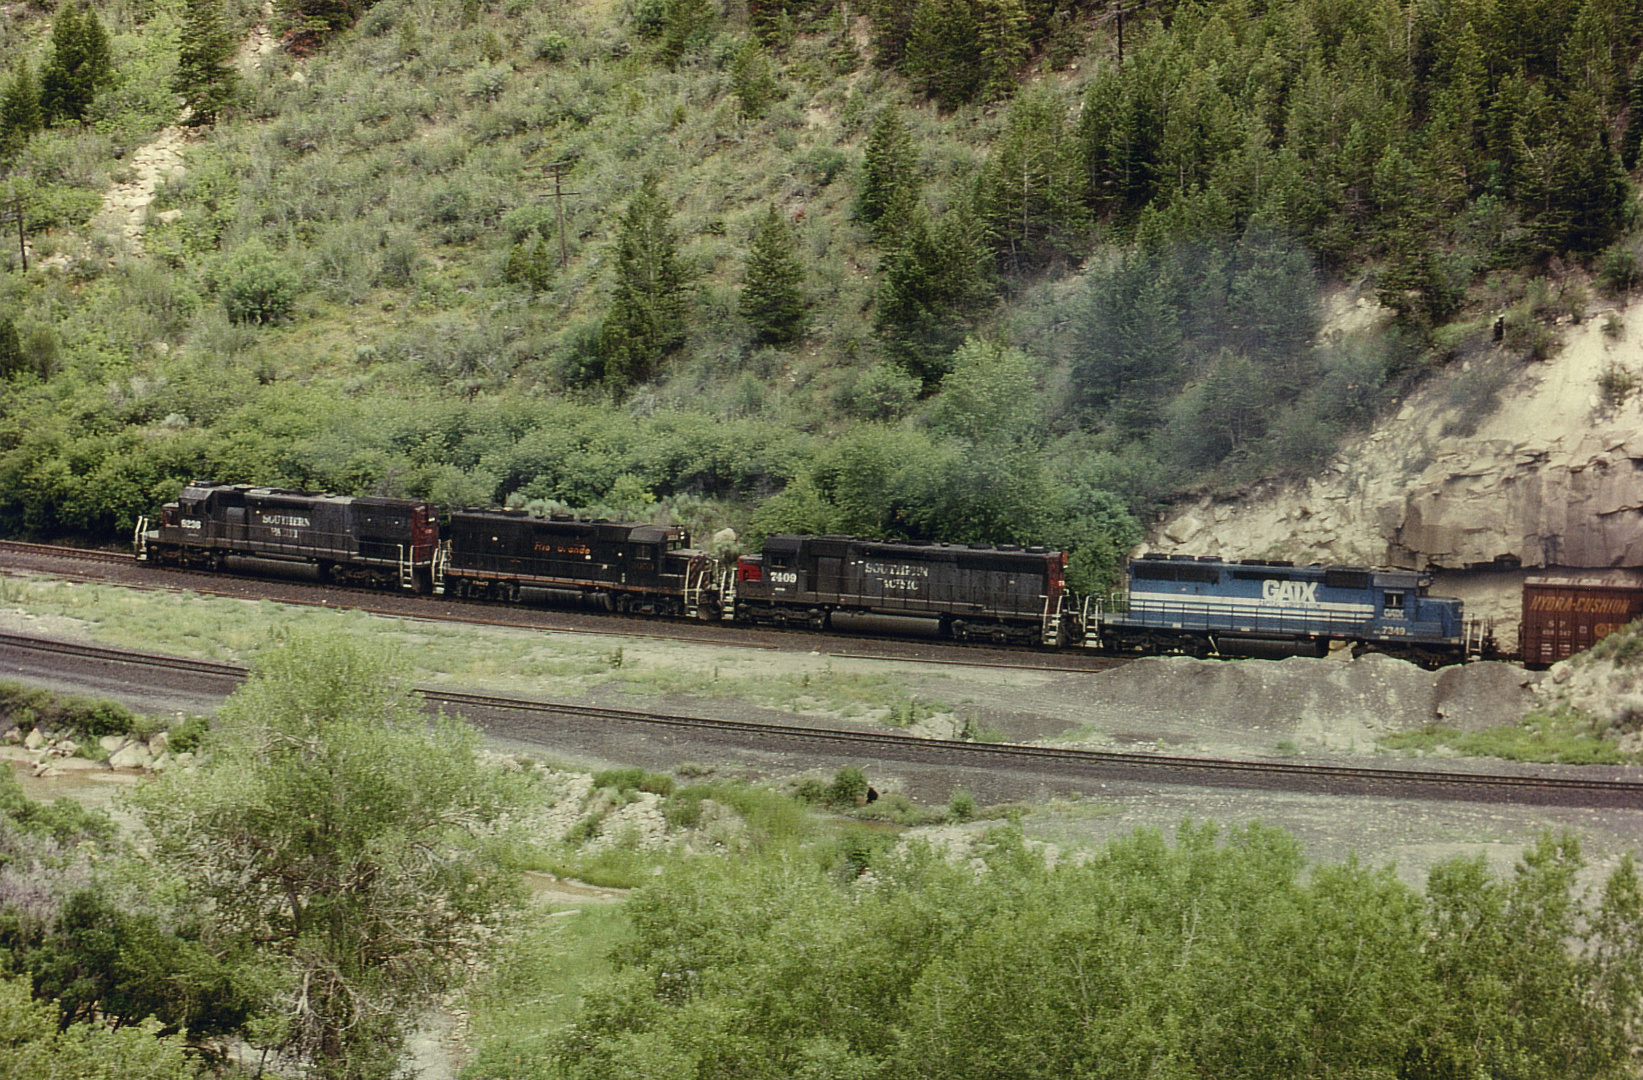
<point>952,269</point>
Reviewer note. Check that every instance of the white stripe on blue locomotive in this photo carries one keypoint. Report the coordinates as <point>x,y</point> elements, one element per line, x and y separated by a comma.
<point>1140,601</point>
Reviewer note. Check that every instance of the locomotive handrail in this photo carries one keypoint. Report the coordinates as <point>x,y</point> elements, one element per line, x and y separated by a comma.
<point>1191,614</point>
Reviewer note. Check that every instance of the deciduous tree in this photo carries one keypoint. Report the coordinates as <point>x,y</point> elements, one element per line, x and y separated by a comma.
<point>337,831</point>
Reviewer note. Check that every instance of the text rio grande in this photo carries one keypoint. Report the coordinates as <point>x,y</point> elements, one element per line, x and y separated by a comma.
<point>1290,592</point>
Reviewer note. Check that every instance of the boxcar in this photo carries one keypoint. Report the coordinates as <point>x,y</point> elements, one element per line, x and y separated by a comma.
<point>624,566</point>
<point>1199,606</point>
<point>364,540</point>
<point>1570,611</point>
<point>975,591</point>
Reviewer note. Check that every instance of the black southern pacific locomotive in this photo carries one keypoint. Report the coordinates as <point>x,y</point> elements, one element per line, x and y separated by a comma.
<point>1003,594</point>
<point>978,592</point>
<point>362,541</point>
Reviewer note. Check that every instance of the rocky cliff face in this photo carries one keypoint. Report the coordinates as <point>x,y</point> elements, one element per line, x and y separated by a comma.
<point>1551,476</point>
<point>1554,477</point>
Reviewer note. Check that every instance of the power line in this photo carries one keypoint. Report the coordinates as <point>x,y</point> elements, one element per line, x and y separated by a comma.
<point>557,171</point>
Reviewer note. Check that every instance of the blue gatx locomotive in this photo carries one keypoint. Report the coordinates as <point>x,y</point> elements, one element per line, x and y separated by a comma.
<point>1200,606</point>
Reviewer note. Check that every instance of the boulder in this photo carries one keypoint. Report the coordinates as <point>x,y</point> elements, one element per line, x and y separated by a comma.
<point>111,743</point>
<point>133,756</point>
<point>35,740</point>
<point>159,743</point>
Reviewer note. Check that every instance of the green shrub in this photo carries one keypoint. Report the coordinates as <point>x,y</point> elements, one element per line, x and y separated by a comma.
<point>552,47</point>
<point>1620,272</point>
<point>187,736</point>
<point>83,717</point>
<point>1616,383</point>
<point>622,780</point>
<point>962,806</point>
<point>257,289</point>
<point>849,787</point>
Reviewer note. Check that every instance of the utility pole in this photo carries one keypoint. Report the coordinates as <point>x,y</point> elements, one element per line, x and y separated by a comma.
<point>12,210</point>
<point>1119,11</point>
<point>556,171</point>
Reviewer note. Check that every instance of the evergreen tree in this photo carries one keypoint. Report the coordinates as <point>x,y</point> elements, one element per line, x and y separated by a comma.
<point>1127,346</point>
<point>934,280</point>
<point>892,21</point>
<point>310,21</point>
<point>204,77</point>
<point>19,111</point>
<point>1633,139</point>
<point>1031,186</point>
<point>12,361</point>
<point>889,178</point>
<point>530,264</point>
<point>1119,145</point>
<point>647,316</point>
<point>772,301</point>
<point>79,66</point>
<point>753,80</point>
<point>943,58</point>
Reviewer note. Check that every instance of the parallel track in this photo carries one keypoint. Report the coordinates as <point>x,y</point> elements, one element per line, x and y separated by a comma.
<point>1046,761</point>
<point>628,626</point>
<point>57,551</point>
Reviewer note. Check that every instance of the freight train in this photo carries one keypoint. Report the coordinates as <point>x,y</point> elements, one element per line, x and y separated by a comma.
<point>975,592</point>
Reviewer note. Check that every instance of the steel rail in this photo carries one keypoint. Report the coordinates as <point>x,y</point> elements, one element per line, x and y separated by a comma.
<point>1159,768</point>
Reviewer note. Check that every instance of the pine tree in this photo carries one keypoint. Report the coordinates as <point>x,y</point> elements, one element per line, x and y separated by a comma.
<point>1031,186</point>
<point>772,301</point>
<point>79,66</point>
<point>1128,352</point>
<point>530,264</point>
<point>935,279</point>
<point>889,178</point>
<point>12,361</point>
<point>943,58</point>
<point>204,78</point>
<point>753,80</point>
<point>1632,141</point>
<point>646,320</point>
<point>19,111</point>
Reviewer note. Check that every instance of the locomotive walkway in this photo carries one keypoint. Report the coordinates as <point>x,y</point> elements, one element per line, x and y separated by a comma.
<point>538,722</point>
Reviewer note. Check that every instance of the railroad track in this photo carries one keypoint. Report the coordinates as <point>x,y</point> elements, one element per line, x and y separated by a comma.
<point>1061,763</point>
<point>620,626</point>
<point>57,551</point>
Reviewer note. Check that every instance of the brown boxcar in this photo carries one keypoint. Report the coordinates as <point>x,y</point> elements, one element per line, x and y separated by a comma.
<point>1570,611</point>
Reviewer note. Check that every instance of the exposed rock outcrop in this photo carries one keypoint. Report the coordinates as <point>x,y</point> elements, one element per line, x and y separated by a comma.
<point>1554,477</point>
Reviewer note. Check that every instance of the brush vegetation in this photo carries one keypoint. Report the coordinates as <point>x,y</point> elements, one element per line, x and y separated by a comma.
<point>937,269</point>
